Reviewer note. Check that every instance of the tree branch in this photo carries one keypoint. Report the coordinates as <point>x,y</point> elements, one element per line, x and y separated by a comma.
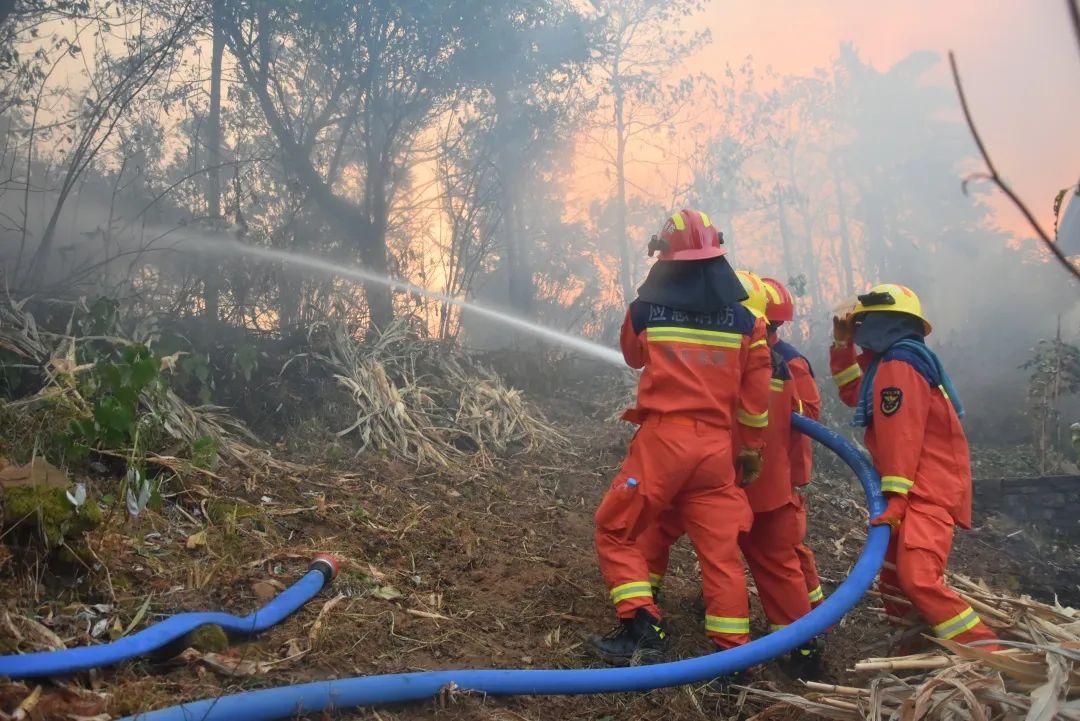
<point>997,179</point>
<point>1074,14</point>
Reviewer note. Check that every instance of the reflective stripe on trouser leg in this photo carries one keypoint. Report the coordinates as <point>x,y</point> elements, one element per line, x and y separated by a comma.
<point>963,621</point>
<point>634,589</point>
<point>727,625</point>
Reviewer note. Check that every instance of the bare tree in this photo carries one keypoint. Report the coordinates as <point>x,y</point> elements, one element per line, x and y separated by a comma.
<point>992,174</point>
<point>641,41</point>
<point>369,75</point>
<point>212,279</point>
<point>116,86</point>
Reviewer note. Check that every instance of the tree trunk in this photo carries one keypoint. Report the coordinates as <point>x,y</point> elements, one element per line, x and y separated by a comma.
<point>876,234</point>
<point>372,244</point>
<point>519,273</point>
<point>626,279</point>
<point>351,221</point>
<point>785,231</point>
<point>522,290</point>
<point>847,263</point>
<point>212,278</point>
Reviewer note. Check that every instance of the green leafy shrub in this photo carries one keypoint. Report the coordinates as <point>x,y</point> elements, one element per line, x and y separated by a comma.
<point>115,387</point>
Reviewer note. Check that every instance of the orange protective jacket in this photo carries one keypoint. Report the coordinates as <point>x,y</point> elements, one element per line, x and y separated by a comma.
<point>808,403</point>
<point>915,436</point>
<point>772,489</point>
<point>711,367</point>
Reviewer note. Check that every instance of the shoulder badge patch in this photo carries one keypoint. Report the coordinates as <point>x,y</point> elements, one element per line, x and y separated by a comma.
<point>891,400</point>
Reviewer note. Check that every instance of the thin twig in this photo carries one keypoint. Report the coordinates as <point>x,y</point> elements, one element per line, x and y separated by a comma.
<point>997,179</point>
<point>1074,14</point>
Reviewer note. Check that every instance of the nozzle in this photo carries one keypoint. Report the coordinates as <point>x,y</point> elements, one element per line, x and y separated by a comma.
<point>329,565</point>
<point>656,243</point>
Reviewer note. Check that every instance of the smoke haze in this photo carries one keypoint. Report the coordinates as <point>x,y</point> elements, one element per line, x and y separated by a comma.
<point>508,158</point>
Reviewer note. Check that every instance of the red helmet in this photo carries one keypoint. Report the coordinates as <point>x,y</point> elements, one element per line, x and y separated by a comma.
<point>688,235</point>
<point>781,305</point>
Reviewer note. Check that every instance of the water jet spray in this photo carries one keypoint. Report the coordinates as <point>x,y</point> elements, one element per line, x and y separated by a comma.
<point>225,246</point>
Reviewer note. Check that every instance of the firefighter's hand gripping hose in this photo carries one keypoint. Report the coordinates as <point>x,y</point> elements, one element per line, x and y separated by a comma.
<point>58,663</point>
<point>289,701</point>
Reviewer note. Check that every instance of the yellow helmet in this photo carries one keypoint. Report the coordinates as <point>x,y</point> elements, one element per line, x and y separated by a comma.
<point>758,299</point>
<point>892,298</point>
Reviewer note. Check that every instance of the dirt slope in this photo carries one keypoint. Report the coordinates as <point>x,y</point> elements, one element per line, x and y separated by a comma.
<point>489,567</point>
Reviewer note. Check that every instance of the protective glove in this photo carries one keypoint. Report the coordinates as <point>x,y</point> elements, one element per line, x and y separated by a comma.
<point>749,462</point>
<point>843,330</point>
<point>894,512</point>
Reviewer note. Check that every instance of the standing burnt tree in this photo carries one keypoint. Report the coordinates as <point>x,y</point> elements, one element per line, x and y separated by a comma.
<point>641,43</point>
<point>525,61</point>
<point>345,87</point>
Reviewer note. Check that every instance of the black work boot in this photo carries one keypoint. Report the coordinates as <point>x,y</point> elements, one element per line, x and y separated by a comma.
<point>806,662</point>
<point>727,682</point>
<point>637,640</point>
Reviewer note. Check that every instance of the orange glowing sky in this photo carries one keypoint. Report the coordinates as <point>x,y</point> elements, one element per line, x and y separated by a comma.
<point>1018,58</point>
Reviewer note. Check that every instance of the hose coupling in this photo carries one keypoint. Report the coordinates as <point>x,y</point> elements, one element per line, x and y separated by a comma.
<point>329,565</point>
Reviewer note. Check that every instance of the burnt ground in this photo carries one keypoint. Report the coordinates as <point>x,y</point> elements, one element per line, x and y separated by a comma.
<point>491,566</point>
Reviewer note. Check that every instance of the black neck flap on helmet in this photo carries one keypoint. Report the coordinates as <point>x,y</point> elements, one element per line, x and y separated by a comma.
<point>697,286</point>
<point>877,330</point>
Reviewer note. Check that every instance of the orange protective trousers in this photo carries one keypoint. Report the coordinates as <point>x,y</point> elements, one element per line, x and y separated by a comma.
<point>768,548</point>
<point>915,570</point>
<point>680,466</point>
<point>806,557</point>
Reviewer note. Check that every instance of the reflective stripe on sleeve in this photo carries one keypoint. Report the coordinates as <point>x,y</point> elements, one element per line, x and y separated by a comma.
<point>963,621</point>
<point>776,384</point>
<point>849,374</point>
<point>752,420</point>
<point>816,595</point>
<point>634,589</point>
<point>896,484</point>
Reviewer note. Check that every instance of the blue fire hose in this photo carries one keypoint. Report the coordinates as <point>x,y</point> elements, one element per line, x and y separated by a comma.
<point>290,701</point>
<point>58,663</point>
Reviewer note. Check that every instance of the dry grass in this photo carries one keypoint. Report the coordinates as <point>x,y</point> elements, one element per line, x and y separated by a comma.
<point>417,402</point>
<point>54,356</point>
<point>1037,678</point>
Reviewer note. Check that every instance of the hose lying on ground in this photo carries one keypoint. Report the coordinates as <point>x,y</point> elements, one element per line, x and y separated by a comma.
<point>289,701</point>
<point>58,663</point>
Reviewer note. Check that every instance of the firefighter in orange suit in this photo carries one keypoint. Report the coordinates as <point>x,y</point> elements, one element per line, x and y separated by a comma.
<point>769,546</point>
<point>705,370</point>
<point>905,400</point>
<point>780,310</point>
